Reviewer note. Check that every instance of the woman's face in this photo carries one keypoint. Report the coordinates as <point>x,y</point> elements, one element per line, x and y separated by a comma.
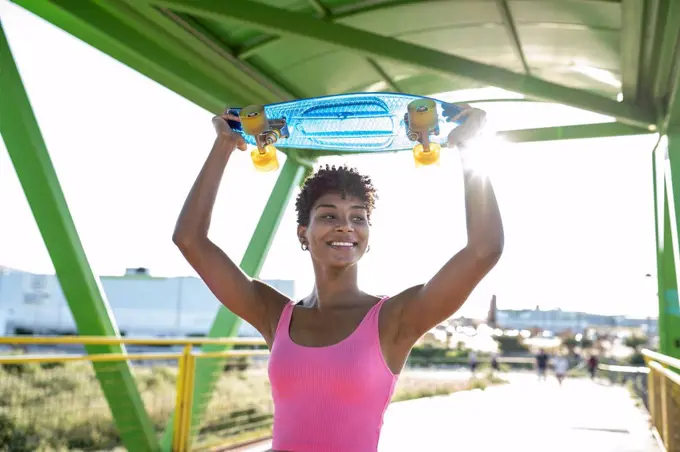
<point>338,230</point>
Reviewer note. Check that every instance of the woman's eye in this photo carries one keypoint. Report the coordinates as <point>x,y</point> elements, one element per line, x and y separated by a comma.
<point>358,219</point>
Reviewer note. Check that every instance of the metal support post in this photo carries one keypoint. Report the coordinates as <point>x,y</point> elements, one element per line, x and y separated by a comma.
<point>28,152</point>
<point>668,259</point>
<point>669,308</point>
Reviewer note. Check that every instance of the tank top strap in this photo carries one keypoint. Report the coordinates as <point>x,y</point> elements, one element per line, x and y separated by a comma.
<point>374,313</point>
<point>284,319</point>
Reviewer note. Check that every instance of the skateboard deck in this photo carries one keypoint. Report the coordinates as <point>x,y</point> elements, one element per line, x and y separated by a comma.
<point>356,122</point>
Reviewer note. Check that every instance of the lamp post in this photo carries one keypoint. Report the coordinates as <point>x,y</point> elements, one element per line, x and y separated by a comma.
<point>648,276</point>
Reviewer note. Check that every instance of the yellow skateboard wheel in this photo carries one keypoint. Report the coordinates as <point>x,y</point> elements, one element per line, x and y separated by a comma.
<point>253,119</point>
<point>426,157</point>
<point>265,159</point>
<point>422,114</point>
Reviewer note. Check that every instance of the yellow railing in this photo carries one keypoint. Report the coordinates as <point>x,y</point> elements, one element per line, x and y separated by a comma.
<point>15,386</point>
<point>663,388</point>
<point>26,392</point>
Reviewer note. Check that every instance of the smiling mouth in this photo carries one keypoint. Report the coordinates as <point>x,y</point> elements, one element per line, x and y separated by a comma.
<point>342,245</point>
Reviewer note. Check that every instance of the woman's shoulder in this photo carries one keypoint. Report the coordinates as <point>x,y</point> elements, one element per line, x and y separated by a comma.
<point>274,303</point>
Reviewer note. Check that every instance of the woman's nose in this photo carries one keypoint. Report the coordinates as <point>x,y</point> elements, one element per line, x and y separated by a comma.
<point>344,226</point>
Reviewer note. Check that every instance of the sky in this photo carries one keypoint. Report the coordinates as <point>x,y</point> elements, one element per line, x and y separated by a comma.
<point>578,215</point>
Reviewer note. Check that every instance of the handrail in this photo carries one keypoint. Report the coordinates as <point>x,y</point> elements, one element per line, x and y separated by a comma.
<point>185,364</point>
<point>624,369</point>
<point>500,359</point>
<point>661,358</point>
<point>672,376</point>
<point>101,340</point>
<point>15,359</point>
<point>513,359</point>
<point>663,381</point>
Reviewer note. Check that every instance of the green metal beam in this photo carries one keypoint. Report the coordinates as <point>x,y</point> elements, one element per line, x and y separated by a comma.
<point>204,44</point>
<point>580,131</point>
<point>391,83</point>
<point>668,75</point>
<point>364,6</point>
<point>660,71</point>
<point>666,46</point>
<point>671,123</point>
<point>575,132</point>
<point>165,33</point>
<point>226,323</point>
<point>668,158</point>
<point>648,55</point>
<point>174,68</point>
<point>660,209</point>
<point>290,23</point>
<point>513,35</point>
<point>320,8</point>
<point>632,12</point>
<point>82,290</point>
<point>325,13</point>
<point>344,12</point>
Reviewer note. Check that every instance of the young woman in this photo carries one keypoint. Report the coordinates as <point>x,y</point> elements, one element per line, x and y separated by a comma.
<point>336,355</point>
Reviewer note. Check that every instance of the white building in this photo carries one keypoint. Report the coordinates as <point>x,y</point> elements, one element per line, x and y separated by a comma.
<point>558,321</point>
<point>142,305</point>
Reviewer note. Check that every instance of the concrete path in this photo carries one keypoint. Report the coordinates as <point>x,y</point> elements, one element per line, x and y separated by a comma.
<point>526,415</point>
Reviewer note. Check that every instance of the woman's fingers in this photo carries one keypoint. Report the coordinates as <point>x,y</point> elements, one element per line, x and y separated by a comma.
<point>230,117</point>
<point>241,143</point>
<point>222,127</point>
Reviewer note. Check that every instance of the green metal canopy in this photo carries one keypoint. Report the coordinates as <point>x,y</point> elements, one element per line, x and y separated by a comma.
<point>614,57</point>
<point>584,53</point>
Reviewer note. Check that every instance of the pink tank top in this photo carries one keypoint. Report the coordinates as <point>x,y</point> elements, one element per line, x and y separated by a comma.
<point>329,399</point>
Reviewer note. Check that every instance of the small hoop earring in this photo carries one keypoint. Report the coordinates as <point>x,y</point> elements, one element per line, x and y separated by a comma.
<point>304,246</point>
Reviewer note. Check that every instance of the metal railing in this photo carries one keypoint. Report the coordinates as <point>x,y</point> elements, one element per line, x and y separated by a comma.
<point>53,400</point>
<point>521,362</point>
<point>636,376</point>
<point>664,397</point>
<point>658,386</point>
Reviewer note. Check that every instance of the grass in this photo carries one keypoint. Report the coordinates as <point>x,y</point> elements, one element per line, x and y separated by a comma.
<point>414,387</point>
<point>61,407</point>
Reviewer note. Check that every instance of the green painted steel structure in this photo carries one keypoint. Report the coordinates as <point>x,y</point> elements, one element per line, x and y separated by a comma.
<point>81,288</point>
<point>615,57</point>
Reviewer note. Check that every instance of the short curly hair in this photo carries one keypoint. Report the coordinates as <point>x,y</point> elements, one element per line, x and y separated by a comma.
<point>331,179</point>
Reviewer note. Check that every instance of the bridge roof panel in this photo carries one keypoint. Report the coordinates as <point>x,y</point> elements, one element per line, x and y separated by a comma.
<point>586,53</point>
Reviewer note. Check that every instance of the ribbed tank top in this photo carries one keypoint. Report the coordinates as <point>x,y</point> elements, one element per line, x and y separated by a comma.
<point>329,399</point>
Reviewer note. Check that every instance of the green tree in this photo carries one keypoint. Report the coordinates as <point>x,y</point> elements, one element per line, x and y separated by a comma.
<point>635,342</point>
<point>586,343</point>
<point>511,345</point>
<point>571,343</point>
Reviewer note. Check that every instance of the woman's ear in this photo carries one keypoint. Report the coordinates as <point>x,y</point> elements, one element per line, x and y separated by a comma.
<point>302,234</point>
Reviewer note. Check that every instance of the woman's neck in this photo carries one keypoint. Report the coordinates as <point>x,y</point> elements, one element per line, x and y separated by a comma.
<point>335,288</point>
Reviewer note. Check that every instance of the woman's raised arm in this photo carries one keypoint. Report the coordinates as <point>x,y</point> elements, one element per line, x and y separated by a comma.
<point>253,301</point>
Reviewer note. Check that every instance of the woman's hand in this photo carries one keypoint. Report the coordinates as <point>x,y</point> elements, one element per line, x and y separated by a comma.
<point>473,122</point>
<point>225,134</point>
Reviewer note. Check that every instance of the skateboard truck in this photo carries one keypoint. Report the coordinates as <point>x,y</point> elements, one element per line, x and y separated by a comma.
<point>266,131</point>
<point>421,121</point>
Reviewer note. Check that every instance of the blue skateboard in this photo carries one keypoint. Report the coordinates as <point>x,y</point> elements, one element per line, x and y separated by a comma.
<point>358,122</point>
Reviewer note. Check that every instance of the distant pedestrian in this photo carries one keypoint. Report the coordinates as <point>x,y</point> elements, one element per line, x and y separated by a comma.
<point>592,366</point>
<point>542,364</point>
<point>495,366</point>
<point>561,366</point>
<point>472,360</point>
